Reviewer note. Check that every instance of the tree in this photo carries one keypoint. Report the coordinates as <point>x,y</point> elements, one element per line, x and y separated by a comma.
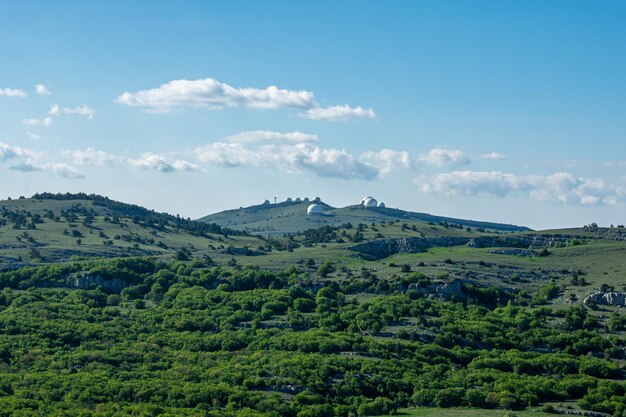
<point>325,269</point>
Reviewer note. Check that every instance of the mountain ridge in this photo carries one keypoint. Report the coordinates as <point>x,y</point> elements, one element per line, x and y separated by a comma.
<point>291,217</point>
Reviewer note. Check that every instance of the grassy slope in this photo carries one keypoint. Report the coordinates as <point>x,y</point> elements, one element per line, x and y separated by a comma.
<point>49,240</point>
<point>600,260</point>
<point>291,217</point>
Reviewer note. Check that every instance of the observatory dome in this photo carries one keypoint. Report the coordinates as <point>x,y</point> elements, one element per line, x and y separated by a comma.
<point>370,203</point>
<point>298,200</point>
<point>381,205</point>
<point>314,209</point>
<point>265,202</point>
<point>288,200</point>
<point>316,200</point>
<point>363,200</point>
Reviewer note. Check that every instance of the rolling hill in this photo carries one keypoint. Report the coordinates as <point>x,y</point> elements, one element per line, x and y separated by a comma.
<point>60,227</point>
<point>291,217</point>
<point>387,243</point>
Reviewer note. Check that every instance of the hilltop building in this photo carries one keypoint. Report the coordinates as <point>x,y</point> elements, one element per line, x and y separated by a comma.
<point>314,209</point>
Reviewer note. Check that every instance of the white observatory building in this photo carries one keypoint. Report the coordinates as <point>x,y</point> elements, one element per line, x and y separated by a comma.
<point>314,209</point>
<point>370,202</point>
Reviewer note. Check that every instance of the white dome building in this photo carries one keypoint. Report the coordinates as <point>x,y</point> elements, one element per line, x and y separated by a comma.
<point>370,203</point>
<point>381,205</point>
<point>305,200</point>
<point>362,203</point>
<point>298,200</point>
<point>288,200</point>
<point>265,202</point>
<point>314,209</point>
<point>317,200</point>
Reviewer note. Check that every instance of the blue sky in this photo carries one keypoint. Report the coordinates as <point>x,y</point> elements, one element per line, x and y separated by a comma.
<point>495,110</point>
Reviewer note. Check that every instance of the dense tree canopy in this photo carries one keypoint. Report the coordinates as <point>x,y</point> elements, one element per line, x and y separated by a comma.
<point>192,339</point>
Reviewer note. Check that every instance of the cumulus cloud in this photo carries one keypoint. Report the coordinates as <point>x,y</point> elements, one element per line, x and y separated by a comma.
<point>442,158</point>
<point>42,90</point>
<point>212,94</point>
<point>270,136</point>
<point>12,92</point>
<point>297,152</point>
<point>339,113</point>
<point>493,155</point>
<point>56,111</point>
<point>561,187</point>
<point>25,167</point>
<point>386,160</point>
<point>300,157</point>
<point>46,121</point>
<point>160,163</point>
<point>27,160</point>
<point>84,110</point>
<point>91,156</point>
<point>63,170</point>
<point>8,152</point>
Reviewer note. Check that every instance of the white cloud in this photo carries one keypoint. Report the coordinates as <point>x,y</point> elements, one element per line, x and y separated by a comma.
<point>212,94</point>
<point>42,90</point>
<point>294,152</point>
<point>63,170</point>
<point>493,155</point>
<point>301,158</point>
<point>561,187</point>
<point>11,92</point>
<point>25,167</point>
<point>32,135</point>
<point>91,156</point>
<point>9,152</point>
<point>47,121</point>
<point>158,162</point>
<point>28,160</point>
<point>339,113</point>
<point>441,158</point>
<point>386,160</point>
<point>228,154</point>
<point>324,162</point>
<point>6,152</point>
<point>270,136</point>
<point>84,110</point>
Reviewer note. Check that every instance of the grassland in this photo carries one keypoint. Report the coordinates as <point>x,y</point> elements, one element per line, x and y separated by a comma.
<point>79,229</point>
<point>276,219</point>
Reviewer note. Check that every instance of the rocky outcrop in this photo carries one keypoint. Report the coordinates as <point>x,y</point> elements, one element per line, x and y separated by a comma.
<point>517,241</point>
<point>383,248</point>
<point>86,282</point>
<point>445,290</point>
<point>612,298</point>
<point>500,242</point>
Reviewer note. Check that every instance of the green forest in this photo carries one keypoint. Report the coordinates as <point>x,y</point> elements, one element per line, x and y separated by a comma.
<point>146,337</point>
